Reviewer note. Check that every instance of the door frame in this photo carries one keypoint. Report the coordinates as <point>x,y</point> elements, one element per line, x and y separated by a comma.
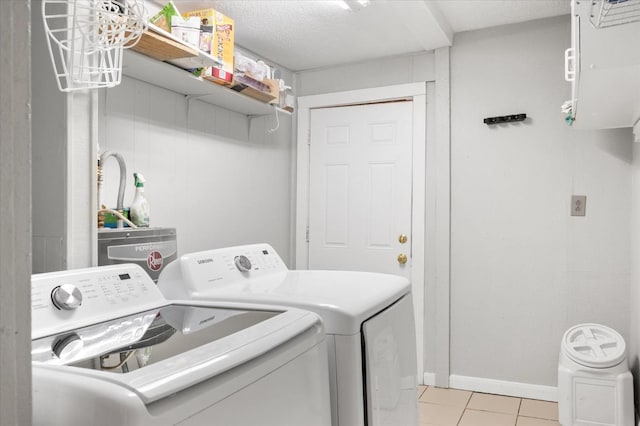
<point>417,92</point>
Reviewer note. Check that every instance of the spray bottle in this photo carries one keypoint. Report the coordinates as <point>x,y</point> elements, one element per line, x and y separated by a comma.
<point>139,210</point>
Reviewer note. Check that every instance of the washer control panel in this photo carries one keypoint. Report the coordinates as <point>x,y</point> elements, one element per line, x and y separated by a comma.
<point>199,272</point>
<point>257,260</point>
<point>236,263</point>
<point>66,300</point>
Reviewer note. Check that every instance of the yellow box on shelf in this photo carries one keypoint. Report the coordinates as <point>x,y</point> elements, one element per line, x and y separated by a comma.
<point>216,38</point>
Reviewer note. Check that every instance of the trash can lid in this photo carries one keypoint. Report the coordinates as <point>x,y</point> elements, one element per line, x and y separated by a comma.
<point>594,345</point>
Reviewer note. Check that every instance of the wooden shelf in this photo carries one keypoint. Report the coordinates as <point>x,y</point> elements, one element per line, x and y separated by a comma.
<point>161,48</point>
<point>160,44</point>
<point>164,75</point>
<point>162,40</point>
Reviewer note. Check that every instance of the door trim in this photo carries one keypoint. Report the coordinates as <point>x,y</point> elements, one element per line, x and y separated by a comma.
<point>417,92</point>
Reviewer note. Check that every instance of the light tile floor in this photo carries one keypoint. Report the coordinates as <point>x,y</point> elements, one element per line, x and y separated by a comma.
<point>452,407</point>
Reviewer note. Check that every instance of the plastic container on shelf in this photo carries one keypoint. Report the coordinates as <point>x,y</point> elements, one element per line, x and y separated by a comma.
<point>257,70</point>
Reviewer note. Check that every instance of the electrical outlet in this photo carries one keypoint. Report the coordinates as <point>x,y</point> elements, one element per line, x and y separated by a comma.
<point>578,205</point>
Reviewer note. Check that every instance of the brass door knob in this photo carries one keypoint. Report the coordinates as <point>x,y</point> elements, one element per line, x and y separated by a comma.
<point>402,258</point>
<point>402,238</point>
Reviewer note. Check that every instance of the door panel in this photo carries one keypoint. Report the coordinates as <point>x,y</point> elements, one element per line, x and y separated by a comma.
<point>380,224</point>
<point>360,187</point>
<point>336,210</point>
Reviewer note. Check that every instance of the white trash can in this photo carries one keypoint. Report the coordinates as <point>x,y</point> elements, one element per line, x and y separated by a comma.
<point>595,386</point>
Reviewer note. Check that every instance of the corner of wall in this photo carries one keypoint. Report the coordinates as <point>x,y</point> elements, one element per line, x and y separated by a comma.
<point>48,154</point>
<point>634,327</point>
<point>15,220</point>
<point>442,146</point>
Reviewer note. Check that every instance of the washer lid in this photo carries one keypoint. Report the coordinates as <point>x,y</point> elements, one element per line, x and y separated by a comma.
<point>344,299</point>
<point>594,345</point>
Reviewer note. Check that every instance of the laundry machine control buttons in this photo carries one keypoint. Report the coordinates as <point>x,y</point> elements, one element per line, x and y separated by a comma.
<point>67,346</point>
<point>66,296</point>
<point>242,263</point>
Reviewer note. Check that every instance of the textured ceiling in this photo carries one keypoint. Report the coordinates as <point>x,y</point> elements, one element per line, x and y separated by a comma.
<point>307,34</point>
<point>466,15</point>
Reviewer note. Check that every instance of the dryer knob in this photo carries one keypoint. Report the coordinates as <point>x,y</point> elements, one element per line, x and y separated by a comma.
<point>242,263</point>
<point>67,346</point>
<point>67,297</point>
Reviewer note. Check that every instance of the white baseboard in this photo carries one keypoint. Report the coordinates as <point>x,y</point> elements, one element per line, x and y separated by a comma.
<point>500,387</point>
<point>429,379</point>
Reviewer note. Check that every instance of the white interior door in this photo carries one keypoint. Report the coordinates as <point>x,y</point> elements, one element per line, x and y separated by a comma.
<point>360,185</point>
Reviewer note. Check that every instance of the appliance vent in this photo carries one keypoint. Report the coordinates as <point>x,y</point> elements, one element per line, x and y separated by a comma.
<point>609,13</point>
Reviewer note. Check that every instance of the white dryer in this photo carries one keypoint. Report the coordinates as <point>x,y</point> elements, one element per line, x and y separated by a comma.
<point>368,319</point>
<point>108,349</point>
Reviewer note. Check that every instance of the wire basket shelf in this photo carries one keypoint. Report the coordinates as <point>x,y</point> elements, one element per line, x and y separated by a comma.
<point>86,39</point>
<point>609,13</point>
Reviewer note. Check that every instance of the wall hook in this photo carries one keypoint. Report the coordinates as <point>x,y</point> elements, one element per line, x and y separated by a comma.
<point>504,119</point>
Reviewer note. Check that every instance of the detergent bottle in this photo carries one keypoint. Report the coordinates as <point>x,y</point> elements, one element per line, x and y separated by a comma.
<point>139,210</point>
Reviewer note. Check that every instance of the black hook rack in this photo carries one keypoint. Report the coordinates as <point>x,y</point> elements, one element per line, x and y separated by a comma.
<point>504,119</point>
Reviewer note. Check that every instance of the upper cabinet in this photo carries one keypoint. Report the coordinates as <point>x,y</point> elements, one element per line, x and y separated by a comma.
<point>603,63</point>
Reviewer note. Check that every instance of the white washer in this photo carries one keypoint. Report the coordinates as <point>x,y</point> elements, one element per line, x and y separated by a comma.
<point>368,318</point>
<point>108,349</point>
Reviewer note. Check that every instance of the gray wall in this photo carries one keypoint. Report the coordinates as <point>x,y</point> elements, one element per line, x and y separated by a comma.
<point>63,164</point>
<point>523,270</point>
<point>363,75</point>
<point>49,155</point>
<point>15,214</point>
<point>218,176</point>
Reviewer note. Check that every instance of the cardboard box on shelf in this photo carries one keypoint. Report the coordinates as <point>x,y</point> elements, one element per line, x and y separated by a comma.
<point>218,75</point>
<point>220,40</point>
<point>206,37</point>
<point>162,19</point>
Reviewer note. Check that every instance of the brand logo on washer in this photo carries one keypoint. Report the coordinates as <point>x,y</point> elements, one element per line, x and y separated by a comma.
<point>147,247</point>
<point>202,261</point>
<point>154,260</point>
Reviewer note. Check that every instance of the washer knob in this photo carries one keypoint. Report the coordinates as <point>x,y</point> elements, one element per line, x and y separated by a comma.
<point>67,297</point>
<point>67,346</point>
<point>242,263</point>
